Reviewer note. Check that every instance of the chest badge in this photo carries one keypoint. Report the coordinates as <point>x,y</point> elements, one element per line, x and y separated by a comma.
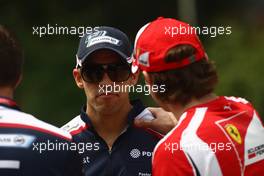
<point>233,133</point>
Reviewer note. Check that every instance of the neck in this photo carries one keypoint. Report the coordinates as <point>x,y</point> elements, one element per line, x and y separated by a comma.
<point>178,110</point>
<point>6,92</point>
<point>109,125</point>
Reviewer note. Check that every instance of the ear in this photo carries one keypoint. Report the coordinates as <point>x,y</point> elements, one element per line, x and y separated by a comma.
<point>78,78</point>
<point>147,78</point>
<point>18,81</point>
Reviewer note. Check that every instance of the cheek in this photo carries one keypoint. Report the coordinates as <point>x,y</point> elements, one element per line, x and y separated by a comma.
<point>90,90</point>
<point>124,95</point>
<point>130,82</point>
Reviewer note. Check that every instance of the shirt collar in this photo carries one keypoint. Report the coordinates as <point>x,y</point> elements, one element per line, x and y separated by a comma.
<point>9,103</point>
<point>137,108</point>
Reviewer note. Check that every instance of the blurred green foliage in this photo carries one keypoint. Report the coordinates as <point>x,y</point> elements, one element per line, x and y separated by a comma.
<point>48,90</point>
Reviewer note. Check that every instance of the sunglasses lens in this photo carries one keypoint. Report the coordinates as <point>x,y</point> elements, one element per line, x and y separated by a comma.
<point>92,73</point>
<point>118,72</point>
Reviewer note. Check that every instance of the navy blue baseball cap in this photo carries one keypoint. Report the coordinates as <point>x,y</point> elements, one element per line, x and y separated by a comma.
<point>104,37</point>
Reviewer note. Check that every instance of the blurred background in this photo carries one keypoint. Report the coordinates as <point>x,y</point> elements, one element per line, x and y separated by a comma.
<point>48,90</point>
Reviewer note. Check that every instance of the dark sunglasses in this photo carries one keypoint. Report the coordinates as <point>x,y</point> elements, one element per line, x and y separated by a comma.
<point>94,73</point>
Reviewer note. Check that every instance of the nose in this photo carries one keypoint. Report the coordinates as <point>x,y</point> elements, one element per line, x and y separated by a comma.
<point>106,80</point>
<point>106,83</point>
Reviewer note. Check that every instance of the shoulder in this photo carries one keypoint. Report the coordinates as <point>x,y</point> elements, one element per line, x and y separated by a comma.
<point>238,103</point>
<point>147,115</point>
<point>15,119</point>
<point>75,126</point>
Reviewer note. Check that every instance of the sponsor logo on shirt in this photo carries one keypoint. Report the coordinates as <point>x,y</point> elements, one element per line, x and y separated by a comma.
<point>86,160</point>
<point>16,140</point>
<point>256,151</point>
<point>136,153</point>
<point>144,174</point>
<point>233,133</point>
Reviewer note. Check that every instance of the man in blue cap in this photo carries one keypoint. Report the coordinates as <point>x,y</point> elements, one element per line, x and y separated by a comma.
<point>114,146</point>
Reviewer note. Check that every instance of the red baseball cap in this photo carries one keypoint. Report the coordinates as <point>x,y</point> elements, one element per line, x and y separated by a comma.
<point>155,39</point>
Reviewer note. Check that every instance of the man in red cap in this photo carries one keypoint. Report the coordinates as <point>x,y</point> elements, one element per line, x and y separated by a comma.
<point>215,135</point>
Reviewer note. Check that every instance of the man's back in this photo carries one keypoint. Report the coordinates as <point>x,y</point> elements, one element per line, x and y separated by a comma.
<point>29,146</point>
<point>222,137</point>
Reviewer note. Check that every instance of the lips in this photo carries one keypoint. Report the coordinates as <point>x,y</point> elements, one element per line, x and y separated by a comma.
<point>105,95</point>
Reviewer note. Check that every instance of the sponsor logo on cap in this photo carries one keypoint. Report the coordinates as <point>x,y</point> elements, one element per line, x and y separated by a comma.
<point>143,59</point>
<point>100,37</point>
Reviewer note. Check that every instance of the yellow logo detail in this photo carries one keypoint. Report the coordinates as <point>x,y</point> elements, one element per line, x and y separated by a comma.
<point>233,133</point>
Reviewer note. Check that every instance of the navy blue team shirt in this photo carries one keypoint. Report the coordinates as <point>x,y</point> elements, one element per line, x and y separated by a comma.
<point>130,154</point>
<point>22,134</point>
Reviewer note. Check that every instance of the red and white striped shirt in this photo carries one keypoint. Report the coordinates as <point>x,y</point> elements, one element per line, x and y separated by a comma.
<point>222,137</point>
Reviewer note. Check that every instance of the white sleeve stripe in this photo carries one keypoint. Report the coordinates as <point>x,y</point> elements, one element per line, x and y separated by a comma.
<point>19,118</point>
<point>254,141</point>
<point>9,164</point>
<point>201,154</point>
<point>194,168</point>
<point>75,124</point>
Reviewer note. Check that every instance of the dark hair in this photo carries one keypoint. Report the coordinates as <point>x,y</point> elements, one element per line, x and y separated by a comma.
<point>11,58</point>
<point>181,85</point>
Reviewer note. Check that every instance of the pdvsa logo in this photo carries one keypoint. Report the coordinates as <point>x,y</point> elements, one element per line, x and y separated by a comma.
<point>136,153</point>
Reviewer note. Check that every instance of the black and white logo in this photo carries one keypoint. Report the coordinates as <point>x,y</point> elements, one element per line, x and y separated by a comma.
<point>100,37</point>
<point>16,140</point>
<point>86,160</point>
<point>136,153</point>
<point>19,140</point>
<point>144,59</point>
